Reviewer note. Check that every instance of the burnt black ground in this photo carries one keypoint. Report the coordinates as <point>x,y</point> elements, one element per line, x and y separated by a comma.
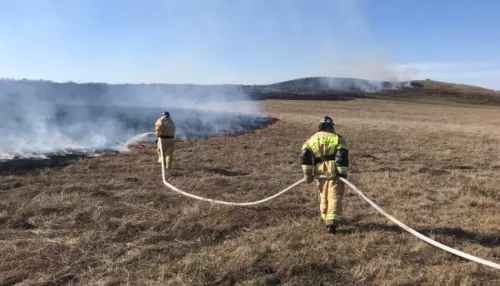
<point>19,166</point>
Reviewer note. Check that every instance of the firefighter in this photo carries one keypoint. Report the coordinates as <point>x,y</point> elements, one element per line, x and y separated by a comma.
<point>325,157</point>
<point>165,133</point>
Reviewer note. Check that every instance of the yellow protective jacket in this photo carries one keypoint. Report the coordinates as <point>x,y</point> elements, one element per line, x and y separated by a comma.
<point>325,154</point>
<point>165,128</point>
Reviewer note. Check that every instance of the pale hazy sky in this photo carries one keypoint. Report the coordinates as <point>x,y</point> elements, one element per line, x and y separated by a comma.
<point>250,41</point>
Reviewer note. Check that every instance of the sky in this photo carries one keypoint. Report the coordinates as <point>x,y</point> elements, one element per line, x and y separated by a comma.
<point>250,41</point>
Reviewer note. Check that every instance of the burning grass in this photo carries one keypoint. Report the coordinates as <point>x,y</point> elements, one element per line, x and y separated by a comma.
<point>110,221</point>
<point>239,125</point>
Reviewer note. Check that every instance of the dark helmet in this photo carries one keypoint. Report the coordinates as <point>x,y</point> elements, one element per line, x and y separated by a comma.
<point>166,113</point>
<point>326,123</point>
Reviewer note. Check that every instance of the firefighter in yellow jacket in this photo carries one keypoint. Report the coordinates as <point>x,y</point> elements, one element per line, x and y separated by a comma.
<point>325,157</point>
<point>165,132</point>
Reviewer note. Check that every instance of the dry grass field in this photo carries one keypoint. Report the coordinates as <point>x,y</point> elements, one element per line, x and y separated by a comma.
<point>110,220</point>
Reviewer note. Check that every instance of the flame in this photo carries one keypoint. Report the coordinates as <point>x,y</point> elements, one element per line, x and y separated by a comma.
<point>276,118</point>
<point>256,131</point>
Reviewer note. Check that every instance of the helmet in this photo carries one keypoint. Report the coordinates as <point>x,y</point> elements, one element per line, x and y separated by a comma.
<point>166,113</point>
<point>326,123</point>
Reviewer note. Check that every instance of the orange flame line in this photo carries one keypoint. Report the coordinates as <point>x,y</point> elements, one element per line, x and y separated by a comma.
<point>256,131</point>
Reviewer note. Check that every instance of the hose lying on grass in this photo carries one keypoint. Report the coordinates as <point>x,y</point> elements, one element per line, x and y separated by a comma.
<point>173,188</point>
<point>353,187</point>
<point>419,235</point>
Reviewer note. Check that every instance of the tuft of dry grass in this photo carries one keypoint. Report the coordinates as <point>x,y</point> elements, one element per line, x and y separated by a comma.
<point>110,221</point>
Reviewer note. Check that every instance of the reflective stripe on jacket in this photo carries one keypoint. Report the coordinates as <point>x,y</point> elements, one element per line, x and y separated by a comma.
<point>325,154</point>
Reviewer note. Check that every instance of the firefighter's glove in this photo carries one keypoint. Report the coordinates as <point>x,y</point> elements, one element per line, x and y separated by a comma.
<point>308,178</point>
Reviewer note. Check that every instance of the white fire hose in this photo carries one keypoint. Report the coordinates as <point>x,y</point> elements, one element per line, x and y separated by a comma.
<point>419,235</point>
<point>173,188</point>
<point>353,187</point>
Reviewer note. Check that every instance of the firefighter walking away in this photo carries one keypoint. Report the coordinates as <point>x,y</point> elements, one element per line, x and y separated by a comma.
<point>325,158</point>
<point>165,133</point>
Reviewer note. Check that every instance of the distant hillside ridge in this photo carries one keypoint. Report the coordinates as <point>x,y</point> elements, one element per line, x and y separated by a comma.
<point>308,88</point>
<point>336,84</point>
<point>99,93</point>
<point>445,91</point>
<point>309,84</point>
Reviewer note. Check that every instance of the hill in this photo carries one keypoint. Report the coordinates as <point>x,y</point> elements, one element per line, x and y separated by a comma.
<point>430,90</point>
<point>322,84</point>
<point>310,88</point>
<point>103,93</point>
<point>98,91</point>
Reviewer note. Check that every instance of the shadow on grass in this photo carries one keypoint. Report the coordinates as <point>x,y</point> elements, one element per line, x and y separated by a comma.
<point>484,240</point>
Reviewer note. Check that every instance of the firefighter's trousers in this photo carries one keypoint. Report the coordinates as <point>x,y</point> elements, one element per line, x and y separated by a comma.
<point>330,196</point>
<point>168,146</point>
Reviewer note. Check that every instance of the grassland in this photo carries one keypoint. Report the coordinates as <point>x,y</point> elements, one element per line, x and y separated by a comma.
<point>110,221</point>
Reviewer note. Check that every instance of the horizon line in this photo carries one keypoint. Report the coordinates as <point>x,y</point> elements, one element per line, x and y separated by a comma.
<point>201,84</point>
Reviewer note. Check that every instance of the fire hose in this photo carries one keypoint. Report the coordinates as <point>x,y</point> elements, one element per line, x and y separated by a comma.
<point>353,187</point>
<point>173,188</point>
<point>419,235</point>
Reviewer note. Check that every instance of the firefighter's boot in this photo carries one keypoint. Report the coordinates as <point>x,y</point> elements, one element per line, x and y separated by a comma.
<point>332,228</point>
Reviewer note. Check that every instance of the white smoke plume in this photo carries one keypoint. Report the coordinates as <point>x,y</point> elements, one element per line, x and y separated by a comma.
<point>38,117</point>
<point>349,55</point>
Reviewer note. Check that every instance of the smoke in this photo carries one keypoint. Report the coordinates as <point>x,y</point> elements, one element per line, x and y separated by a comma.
<point>356,84</point>
<point>112,42</point>
<point>39,117</point>
<point>350,55</point>
<point>326,38</point>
